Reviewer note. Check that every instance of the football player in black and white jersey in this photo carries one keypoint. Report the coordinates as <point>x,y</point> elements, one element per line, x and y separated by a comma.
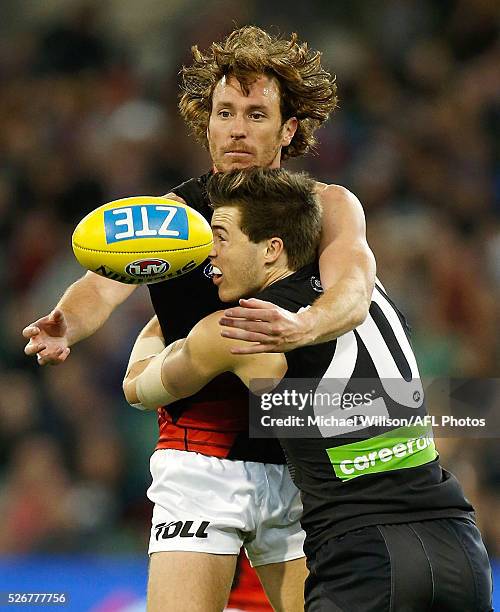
<point>387,528</point>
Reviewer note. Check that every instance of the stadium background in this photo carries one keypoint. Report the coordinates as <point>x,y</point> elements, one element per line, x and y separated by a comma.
<point>88,98</point>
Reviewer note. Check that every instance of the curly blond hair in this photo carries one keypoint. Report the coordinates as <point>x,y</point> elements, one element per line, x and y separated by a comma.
<point>308,92</point>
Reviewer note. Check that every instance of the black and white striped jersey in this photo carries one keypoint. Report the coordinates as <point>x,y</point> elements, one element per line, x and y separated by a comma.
<point>362,461</point>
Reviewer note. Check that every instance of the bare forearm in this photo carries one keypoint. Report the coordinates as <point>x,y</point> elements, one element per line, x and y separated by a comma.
<point>340,309</point>
<point>348,283</point>
<point>88,303</point>
<point>347,267</point>
<point>147,384</point>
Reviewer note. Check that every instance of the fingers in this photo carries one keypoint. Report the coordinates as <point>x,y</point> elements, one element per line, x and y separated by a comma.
<point>30,331</point>
<point>57,358</point>
<point>256,303</point>
<point>247,336</point>
<point>32,348</point>
<point>254,309</point>
<point>252,349</point>
<point>40,344</point>
<point>251,314</point>
<point>262,327</point>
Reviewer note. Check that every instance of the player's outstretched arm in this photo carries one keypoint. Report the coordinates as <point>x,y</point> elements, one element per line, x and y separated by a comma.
<point>187,365</point>
<point>82,310</point>
<point>347,268</point>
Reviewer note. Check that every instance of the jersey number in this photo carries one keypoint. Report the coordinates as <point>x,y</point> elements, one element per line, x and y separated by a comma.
<point>408,393</point>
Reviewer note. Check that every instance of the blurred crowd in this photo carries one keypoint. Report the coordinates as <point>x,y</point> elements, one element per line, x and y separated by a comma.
<point>88,96</point>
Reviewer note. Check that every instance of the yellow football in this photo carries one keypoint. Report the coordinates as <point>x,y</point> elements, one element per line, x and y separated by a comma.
<point>142,239</point>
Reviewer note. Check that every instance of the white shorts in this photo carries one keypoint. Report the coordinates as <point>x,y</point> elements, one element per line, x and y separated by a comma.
<point>212,505</point>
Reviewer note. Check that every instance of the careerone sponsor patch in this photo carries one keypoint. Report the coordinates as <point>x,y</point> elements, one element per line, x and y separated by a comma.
<point>401,448</point>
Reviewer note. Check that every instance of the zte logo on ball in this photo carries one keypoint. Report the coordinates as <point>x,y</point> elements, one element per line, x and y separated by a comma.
<point>149,221</point>
<point>183,529</point>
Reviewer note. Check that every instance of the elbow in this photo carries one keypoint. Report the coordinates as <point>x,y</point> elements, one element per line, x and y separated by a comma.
<point>129,392</point>
<point>360,311</point>
<point>359,315</point>
<point>364,297</point>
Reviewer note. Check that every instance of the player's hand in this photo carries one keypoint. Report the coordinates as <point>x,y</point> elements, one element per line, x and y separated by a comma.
<point>48,339</point>
<point>270,328</point>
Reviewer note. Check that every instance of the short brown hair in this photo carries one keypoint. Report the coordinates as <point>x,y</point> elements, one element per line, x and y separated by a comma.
<point>308,92</point>
<point>273,202</point>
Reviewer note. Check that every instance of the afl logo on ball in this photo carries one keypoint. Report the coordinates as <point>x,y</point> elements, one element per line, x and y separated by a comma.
<point>142,268</point>
<point>316,284</point>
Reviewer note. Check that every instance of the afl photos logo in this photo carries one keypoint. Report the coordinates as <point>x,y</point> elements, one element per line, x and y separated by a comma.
<point>147,268</point>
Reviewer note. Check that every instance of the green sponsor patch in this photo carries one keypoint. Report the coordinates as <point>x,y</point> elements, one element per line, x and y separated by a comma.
<point>401,448</point>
